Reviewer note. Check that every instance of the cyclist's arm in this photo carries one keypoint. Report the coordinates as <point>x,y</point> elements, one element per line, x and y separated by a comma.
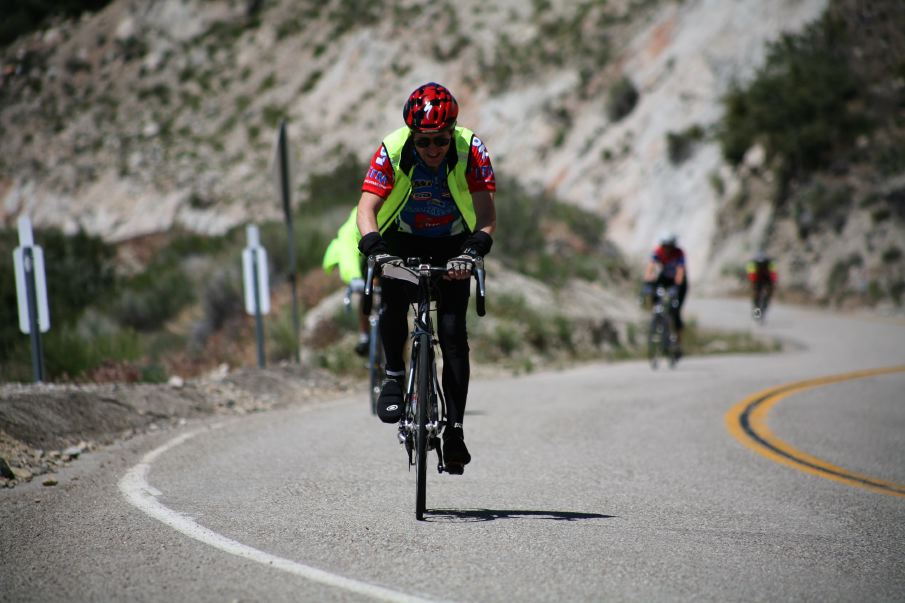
<point>680,274</point>
<point>650,273</point>
<point>368,206</point>
<point>485,211</point>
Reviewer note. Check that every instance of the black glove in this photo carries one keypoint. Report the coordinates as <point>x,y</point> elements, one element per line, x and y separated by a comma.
<point>373,244</point>
<point>477,245</point>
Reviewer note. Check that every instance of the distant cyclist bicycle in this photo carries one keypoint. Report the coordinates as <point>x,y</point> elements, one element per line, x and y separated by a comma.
<point>667,268</point>
<point>424,414</point>
<point>374,349</point>
<point>662,335</point>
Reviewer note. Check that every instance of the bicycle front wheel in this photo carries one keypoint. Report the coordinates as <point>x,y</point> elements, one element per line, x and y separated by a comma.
<point>655,336</point>
<point>422,392</point>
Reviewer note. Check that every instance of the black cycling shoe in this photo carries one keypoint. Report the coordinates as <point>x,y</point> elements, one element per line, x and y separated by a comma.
<point>455,453</point>
<point>389,403</point>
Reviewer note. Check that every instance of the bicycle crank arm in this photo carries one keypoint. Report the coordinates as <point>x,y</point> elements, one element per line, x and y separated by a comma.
<point>440,467</point>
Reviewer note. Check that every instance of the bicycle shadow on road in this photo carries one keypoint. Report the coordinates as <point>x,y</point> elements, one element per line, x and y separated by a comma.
<point>468,515</point>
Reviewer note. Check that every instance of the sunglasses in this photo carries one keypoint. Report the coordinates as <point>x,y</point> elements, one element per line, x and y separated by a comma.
<point>438,141</point>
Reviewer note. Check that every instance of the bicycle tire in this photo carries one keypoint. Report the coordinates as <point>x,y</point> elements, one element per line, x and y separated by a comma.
<point>654,340</point>
<point>672,350</point>
<point>423,393</point>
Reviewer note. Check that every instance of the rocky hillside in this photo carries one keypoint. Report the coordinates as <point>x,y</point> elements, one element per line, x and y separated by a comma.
<point>147,115</point>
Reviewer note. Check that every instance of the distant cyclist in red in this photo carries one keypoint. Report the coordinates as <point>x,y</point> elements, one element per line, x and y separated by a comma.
<point>429,193</point>
<point>667,268</point>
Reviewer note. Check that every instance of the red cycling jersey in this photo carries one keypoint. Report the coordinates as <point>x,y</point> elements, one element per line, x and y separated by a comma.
<point>670,259</point>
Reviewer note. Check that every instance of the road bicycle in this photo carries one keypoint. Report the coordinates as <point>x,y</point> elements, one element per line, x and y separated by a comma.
<point>662,338</point>
<point>424,414</point>
<point>375,346</point>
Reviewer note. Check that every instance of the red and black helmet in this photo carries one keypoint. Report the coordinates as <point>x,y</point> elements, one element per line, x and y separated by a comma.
<point>430,108</point>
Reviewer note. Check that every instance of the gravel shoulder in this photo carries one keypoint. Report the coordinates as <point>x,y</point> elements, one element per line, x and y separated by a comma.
<point>44,427</point>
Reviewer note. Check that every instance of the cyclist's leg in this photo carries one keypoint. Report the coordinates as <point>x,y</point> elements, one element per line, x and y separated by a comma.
<point>394,324</point>
<point>453,336</point>
<point>393,332</point>
<point>680,325</point>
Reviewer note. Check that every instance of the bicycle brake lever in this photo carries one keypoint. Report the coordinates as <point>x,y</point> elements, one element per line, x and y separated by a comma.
<point>480,287</point>
<point>367,299</point>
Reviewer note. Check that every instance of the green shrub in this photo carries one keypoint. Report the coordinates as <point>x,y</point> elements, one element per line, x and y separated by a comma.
<point>273,115</point>
<point>222,297</point>
<point>819,204</point>
<point>506,340</point>
<point>798,105</point>
<point>23,16</point>
<point>896,290</point>
<point>132,48</point>
<point>152,298</point>
<point>587,226</point>
<point>622,99</point>
<point>522,245</point>
<point>281,335</point>
<point>70,353</point>
<point>838,279</point>
<point>892,255</point>
<point>680,145</point>
<point>78,271</point>
<point>339,189</point>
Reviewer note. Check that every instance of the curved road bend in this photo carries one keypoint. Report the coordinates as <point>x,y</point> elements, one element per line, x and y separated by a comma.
<point>605,482</point>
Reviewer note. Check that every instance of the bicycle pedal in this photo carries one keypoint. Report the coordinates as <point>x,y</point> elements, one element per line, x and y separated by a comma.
<point>455,468</point>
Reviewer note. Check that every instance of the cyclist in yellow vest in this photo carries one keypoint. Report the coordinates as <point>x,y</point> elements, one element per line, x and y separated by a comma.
<point>342,253</point>
<point>429,193</point>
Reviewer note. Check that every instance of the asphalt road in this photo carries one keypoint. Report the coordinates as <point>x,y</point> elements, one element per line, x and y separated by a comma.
<point>604,482</point>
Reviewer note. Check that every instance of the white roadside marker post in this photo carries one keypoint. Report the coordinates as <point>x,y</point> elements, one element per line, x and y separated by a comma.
<point>257,285</point>
<point>31,291</point>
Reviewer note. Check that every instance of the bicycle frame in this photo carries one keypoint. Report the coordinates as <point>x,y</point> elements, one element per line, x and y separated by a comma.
<point>375,347</point>
<point>662,335</point>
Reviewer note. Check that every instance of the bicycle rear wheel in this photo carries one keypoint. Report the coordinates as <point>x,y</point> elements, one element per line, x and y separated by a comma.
<point>762,301</point>
<point>422,393</point>
<point>671,345</point>
<point>375,364</point>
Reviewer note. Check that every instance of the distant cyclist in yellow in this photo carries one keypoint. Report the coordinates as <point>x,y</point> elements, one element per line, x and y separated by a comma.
<point>342,252</point>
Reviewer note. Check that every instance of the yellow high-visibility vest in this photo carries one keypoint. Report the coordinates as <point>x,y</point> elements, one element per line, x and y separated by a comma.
<point>395,143</point>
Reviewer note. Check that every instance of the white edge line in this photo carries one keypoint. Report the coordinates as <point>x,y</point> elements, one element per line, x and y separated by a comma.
<point>141,494</point>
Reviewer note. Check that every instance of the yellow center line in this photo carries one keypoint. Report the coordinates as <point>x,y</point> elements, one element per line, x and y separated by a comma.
<point>747,422</point>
